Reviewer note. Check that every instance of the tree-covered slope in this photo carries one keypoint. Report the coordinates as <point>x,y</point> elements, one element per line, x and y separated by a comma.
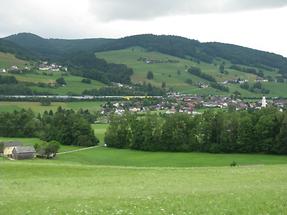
<point>54,48</point>
<point>207,52</point>
<point>171,45</point>
<point>125,59</point>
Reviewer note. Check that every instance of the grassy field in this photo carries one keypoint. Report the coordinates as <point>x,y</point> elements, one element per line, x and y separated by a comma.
<point>100,130</point>
<point>50,188</point>
<point>74,83</point>
<point>38,108</point>
<point>168,72</point>
<point>8,60</point>
<point>123,157</point>
<point>112,181</point>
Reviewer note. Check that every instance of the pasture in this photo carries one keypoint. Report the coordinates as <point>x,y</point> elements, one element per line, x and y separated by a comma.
<point>54,188</point>
<point>175,74</point>
<point>7,60</point>
<point>74,83</point>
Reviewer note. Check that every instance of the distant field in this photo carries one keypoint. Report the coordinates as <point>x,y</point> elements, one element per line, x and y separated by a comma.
<point>8,60</point>
<point>123,157</point>
<point>74,83</point>
<point>168,72</point>
<point>100,130</point>
<point>38,108</point>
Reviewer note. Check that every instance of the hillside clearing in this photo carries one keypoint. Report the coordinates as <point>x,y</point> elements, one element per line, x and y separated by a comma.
<point>7,60</point>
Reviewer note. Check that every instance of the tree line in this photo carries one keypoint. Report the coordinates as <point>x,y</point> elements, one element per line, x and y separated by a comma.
<point>213,83</point>
<point>262,131</point>
<point>255,88</point>
<point>87,65</point>
<point>65,126</point>
<point>197,72</point>
<point>134,90</point>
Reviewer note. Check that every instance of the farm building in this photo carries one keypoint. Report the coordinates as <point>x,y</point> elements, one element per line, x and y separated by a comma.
<point>23,152</point>
<point>4,145</point>
<point>20,152</point>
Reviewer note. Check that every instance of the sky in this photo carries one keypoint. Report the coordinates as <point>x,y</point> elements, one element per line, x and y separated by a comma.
<point>256,24</point>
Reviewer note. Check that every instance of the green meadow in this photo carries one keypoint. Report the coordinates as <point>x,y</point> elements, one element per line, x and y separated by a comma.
<point>175,74</point>
<point>7,60</point>
<point>74,83</point>
<point>63,188</point>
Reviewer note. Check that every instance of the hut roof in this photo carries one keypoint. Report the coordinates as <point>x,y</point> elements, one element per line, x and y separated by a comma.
<point>24,149</point>
<point>11,144</point>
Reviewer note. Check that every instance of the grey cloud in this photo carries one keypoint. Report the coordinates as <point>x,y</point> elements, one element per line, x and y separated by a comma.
<point>146,9</point>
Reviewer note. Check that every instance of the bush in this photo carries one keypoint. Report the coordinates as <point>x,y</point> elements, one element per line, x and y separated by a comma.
<point>47,150</point>
<point>149,75</point>
<point>233,164</point>
<point>87,81</point>
<point>45,103</point>
<point>61,81</point>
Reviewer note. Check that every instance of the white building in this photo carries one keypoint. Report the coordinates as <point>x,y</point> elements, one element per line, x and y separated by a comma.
<point>264,102</point>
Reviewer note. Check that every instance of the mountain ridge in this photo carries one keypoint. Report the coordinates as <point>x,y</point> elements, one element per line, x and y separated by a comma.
<point>173,45</point>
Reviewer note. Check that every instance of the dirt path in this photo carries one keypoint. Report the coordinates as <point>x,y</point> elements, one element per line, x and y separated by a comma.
<point>77,150</point>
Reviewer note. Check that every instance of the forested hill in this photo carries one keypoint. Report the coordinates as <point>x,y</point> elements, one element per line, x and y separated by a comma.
<point>207,52</point>
<point>171,45</point>
<point>54,48</point>
<point>20,52</point>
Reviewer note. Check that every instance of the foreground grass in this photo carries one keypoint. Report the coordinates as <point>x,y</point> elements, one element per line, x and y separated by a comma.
<point>47,188</point>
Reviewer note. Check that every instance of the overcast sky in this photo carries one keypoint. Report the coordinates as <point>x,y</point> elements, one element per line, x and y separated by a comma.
<point>257,24</point>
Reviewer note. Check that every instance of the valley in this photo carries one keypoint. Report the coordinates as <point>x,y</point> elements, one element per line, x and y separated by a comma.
<point>146,124</point>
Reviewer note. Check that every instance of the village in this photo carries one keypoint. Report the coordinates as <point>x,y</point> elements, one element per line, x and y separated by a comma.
<point>43,66</point>
<point>177,103</point>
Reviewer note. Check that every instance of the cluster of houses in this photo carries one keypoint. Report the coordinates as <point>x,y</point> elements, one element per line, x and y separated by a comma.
<point>226,102</point>
<point>188,104</point>
<point>45,66</point>
<point>42,66</point>
<point>16,151</point>
<point>14,69</point>
<point>234,81</point>
<point>152,61</point>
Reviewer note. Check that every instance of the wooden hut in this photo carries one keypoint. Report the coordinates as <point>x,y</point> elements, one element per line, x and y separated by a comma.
<point>23,152</point>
